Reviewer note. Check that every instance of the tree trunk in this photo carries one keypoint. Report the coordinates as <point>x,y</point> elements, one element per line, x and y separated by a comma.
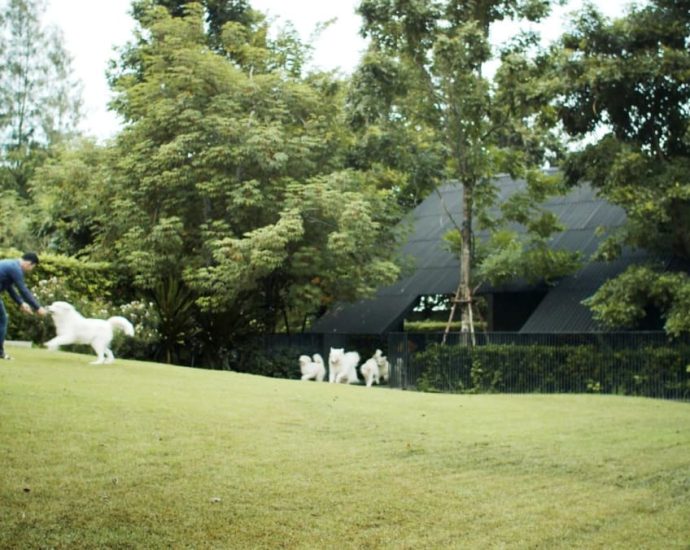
<point>463,295</point>
<point>467,325</point>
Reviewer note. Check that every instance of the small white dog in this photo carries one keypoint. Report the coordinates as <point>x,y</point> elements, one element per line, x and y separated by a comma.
<point>375,369</point>
<point>73,328</point>
<point>312,368</point>
<point>384,365</point>
<point>342,367</point>
<point>370,372</point>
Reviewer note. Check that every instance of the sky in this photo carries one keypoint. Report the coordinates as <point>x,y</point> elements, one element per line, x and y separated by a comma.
<point>93,30</point>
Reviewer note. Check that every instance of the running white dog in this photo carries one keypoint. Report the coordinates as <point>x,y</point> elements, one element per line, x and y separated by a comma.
<point>384,365</point>
<point>312,368</point>
<point>375,369</point>
<point>73,328</point>
<point>342,367</point>
<point>370,372</point>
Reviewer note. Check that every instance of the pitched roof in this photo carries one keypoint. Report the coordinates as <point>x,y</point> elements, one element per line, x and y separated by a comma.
<point>436,270</point>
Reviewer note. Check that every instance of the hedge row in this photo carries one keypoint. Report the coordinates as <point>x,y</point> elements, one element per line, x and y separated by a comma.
<point>648,371</point>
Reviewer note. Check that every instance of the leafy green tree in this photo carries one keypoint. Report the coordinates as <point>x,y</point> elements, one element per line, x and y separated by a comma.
<point>39,97</point>
<point>625,301</point>
<point>403,157</point>
<point>67,193</point>
<point>228,179</point>
<point>217,14</point>
<point>425,74</point>
<point>234,29</point>
<point>16,224</point>
<point>624,85</point>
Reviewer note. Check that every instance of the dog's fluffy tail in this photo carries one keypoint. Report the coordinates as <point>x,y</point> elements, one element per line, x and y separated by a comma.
<point>123,324</point>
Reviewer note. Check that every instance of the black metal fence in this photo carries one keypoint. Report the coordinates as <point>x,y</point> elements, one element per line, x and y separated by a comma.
<point>631,363</point>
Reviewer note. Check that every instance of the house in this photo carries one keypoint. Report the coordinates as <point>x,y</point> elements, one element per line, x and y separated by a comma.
<point>515,307</point>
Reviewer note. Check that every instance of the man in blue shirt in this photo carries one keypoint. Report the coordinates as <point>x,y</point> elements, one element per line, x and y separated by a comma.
<point>12,280</point>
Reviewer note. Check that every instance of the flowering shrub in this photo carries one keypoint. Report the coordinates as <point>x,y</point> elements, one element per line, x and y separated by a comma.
<point>146,340</point>
<point>143,316</point>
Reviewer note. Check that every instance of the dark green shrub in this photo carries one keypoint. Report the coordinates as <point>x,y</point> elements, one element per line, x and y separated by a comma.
<point>651,371</point>
<point>276,362</point>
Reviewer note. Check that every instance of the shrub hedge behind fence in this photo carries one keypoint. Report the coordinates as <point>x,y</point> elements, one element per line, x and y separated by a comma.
<point>642,364</point>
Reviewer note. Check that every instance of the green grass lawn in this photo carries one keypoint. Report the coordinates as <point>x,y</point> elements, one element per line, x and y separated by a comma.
<point>139,455</point>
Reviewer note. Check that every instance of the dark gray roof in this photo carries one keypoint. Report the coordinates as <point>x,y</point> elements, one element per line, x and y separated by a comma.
<point>436,270</point>
<point>562,310</point>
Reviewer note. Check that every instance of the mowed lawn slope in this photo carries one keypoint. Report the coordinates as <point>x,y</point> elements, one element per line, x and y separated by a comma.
<point>139,455</point>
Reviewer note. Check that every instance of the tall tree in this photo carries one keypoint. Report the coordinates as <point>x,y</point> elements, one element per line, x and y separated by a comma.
<point>404,157</point>
<point>428,63</point>
<point>39,97</point>
<point>67,193</point>
<point>216,14</point>
<point>625,86</point>
<point>228,179</point>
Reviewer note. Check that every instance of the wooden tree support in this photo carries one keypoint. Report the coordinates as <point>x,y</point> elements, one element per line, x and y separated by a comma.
<point>467,303</point>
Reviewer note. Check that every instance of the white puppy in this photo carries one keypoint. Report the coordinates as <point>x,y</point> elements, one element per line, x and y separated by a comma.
<point>375,369</point>
<point>342,367</point>
<point>73,328</point>
<point>312,369</point>
<point>382,362</point>
<point>370,372</point>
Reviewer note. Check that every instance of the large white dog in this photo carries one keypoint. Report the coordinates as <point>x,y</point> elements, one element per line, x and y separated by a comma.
<point>73,328</point>
<point>312,368</point>
<point>342,366</point>
<point>375,369</point>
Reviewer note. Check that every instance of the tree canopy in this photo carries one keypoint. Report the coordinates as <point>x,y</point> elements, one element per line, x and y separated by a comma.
<point>625,85</point>
<point>39,97</point>
<point>230,177</point>
<point>40,103</point>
